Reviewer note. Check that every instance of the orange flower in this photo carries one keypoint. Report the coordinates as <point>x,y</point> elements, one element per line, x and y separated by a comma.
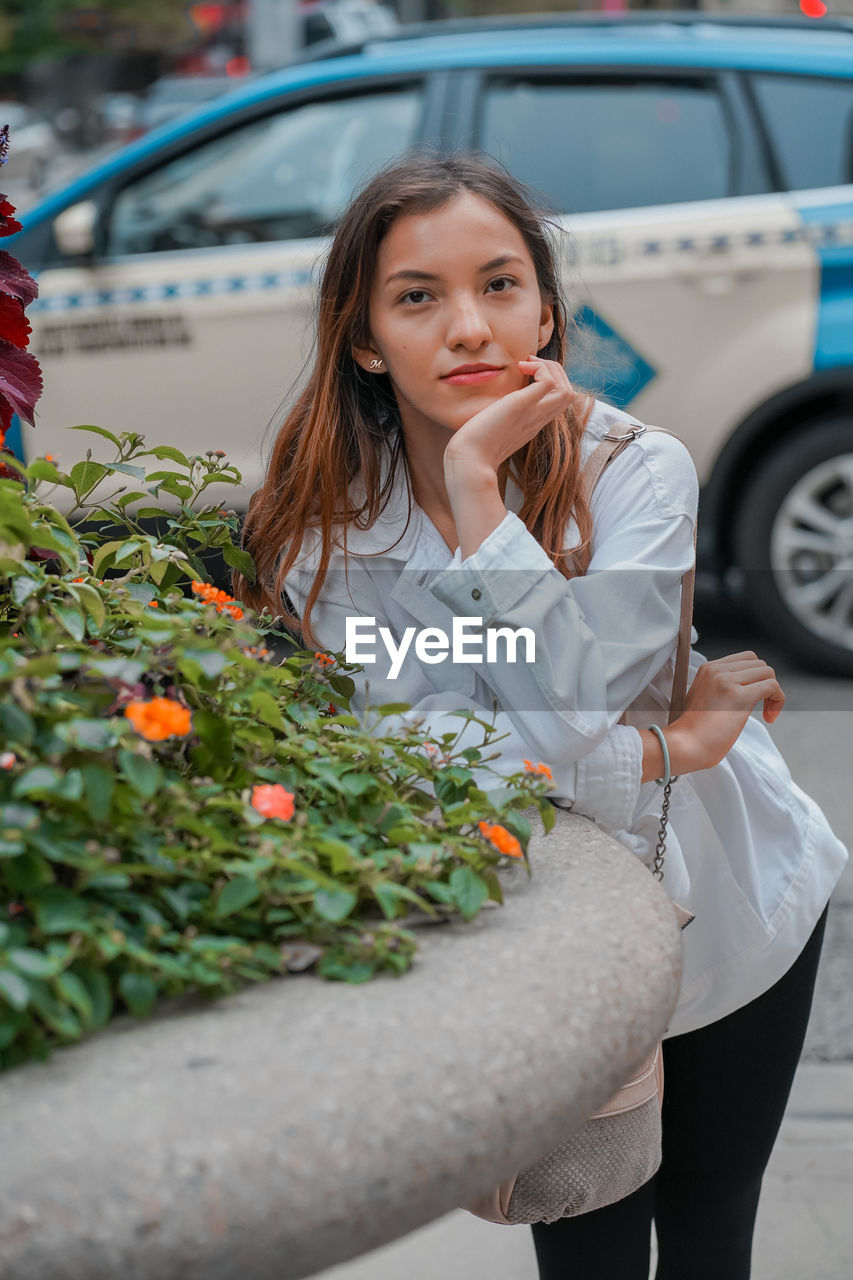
<point>501,839</point>
<point>159,718</point>
<point>49,457</point>
<point>323,660</point>
<point>273,801</point>
<point>539,768</point>
<point>152,604</point>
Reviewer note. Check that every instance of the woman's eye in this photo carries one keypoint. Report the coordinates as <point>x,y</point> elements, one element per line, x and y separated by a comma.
<point>415,296</point>
<point>501,284</point>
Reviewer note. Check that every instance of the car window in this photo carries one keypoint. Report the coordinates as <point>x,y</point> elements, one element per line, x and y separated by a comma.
<point>592,145</point>
<point>287,176</point>
<point>810,123</point>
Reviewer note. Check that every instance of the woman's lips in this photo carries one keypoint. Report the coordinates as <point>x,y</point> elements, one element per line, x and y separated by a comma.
<point>466,379</point>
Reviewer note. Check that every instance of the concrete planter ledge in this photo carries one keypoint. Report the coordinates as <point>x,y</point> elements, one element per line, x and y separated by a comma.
<point>300,1123</point>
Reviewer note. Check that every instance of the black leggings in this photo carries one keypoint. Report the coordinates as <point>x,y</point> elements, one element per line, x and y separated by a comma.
<point>726,1087</point>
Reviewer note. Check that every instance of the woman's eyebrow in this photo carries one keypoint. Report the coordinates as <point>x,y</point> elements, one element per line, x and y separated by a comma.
<point>409,273</point>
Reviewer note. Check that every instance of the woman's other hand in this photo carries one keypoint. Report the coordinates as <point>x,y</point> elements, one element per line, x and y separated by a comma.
<point>718,705</point>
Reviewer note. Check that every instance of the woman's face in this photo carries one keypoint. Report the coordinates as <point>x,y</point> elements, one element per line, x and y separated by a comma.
<point>453,288</point>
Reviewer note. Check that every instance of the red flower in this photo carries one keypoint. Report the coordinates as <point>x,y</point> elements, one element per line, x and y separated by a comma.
<point>273,801</point>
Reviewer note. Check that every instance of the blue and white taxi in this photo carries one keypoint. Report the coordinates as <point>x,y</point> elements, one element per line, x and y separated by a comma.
<point>703,166</point>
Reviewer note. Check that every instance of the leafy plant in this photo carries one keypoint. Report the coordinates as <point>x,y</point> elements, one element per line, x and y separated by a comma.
<point>179,810</point>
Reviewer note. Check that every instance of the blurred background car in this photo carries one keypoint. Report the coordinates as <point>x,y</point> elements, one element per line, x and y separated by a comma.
<point>119,114</point>
<point>701,166</point>
<point>173,96</point>
<point>34,144</point>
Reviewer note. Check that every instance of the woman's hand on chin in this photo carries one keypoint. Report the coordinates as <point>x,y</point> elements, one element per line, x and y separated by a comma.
<point>496,432</point>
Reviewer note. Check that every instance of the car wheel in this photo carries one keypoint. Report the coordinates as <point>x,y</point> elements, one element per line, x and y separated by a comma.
<point>794,539</point>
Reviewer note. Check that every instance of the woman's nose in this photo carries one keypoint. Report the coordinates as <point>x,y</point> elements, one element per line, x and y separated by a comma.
<point>467,325</point>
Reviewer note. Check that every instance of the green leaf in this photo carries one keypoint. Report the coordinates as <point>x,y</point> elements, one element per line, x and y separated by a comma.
<point>139,992</point>
<point>14,989</point>
<point>392,899</point>
<point>100,785</point>
<point>342,970</point>
<point>334,904</point>
<point>75,993</point>
<point>10,1025</point>
<point>85,475</point>
<point>71,619</point>
<point>166,451</point>
<point>493,880</point>
<point>211,661</point>
<point>41,469</point>
<point>469,891</point>
<point>236,894</point>
<point>41,777</point>
<point>127,549</point>
<point>103,557</point>
<point>145,776</point>
<point>23,587</point>
<point>340,854</point>
<point>89,598</point>
<point>100,431</point>
<point>27,873</point>
<point>21,817</point>
<point>392,708</point>
<point>58,910</point>
<point>127,469</point>
<point>17,725</point>
<point>97,985</point>
<point>239,559</point>
<point>57,1016</point>
<point>94,735</point>
<point>134,496</point>
<point>267,708</point>
<point>33,963</point>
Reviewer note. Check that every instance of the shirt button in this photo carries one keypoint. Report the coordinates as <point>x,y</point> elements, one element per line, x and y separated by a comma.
<point>476,593</point>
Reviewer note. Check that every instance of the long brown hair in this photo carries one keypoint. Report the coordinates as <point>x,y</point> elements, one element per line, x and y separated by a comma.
<point>344,418</point>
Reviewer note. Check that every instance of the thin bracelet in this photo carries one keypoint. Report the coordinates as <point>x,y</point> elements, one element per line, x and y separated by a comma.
<point>658,731</point>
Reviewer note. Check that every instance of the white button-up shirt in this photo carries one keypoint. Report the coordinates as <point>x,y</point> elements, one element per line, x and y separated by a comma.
<point>747,850</point>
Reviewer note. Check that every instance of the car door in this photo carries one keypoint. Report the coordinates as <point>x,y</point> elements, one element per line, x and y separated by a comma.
<point>687,274</point>
<point>192,324</point>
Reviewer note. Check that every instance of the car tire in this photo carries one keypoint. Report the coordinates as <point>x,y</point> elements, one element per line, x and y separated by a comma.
<point>793,539</point>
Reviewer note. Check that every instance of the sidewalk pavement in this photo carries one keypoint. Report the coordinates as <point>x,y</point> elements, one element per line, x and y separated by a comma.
<point>805,1222</point>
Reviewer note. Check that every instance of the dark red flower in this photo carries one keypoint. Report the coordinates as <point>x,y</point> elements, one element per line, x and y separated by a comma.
<point>20,380</point>
<point>14,325</point>
<point>16,280</point>
<point>9,225</point>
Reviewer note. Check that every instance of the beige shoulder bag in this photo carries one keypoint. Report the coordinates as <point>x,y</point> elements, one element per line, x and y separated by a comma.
<point>619,1148</point>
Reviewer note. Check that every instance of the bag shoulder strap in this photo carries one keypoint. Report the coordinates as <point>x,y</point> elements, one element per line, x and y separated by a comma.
<point>611,446</point>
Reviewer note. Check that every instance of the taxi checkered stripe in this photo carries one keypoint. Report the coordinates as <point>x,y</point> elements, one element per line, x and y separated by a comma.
<point>817,234</point>
<point>158,291</point>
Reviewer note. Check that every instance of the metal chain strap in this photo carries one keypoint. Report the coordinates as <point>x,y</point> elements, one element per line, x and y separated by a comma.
<point>660,849</point>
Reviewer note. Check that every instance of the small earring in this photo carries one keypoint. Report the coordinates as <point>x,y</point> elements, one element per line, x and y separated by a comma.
<point>376,364</point>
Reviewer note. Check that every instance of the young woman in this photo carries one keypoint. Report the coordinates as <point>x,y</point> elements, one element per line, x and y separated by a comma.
<point>428,476</point>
